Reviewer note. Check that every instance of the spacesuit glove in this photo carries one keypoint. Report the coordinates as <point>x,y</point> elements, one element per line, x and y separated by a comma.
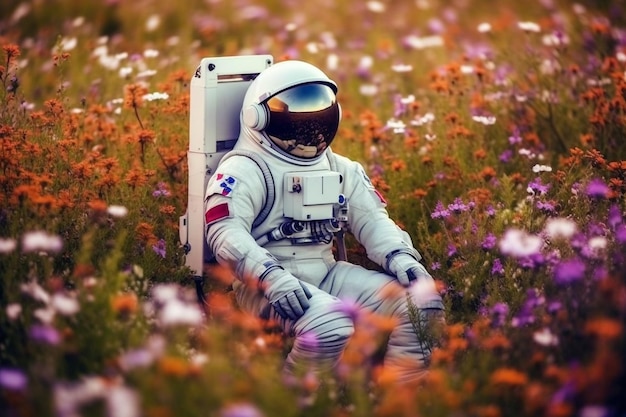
<point>288,296</point>
<point>407,269</point>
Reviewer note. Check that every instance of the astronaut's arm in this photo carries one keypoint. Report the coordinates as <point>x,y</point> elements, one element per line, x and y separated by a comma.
<point>229,214</point>
<point>385,243</point>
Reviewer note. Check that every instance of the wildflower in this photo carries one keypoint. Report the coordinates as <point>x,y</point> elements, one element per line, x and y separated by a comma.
<point>137,358</point>
<point>485,120</point>
<point>64,304</point>
<point>7,245</point>
<point>153,22</point>
<point>596,188</point>
<point>458,206</point>
<point>489,242</point>
<point>606,328</point>
<point>509,376</point>
<point>545,337</point>
<point>556,228</point>
<point>615,216</point>
<point>422,120</point>
<point>505,156</point>
<point>497,268</point>
<point>529,27</point>
<point>546,206</point>
<point>35,291</point>
<point>620,233</point>
<point>499,312</point>
<point>13,379</point>
<point>122,402</point>
<point>117,211</point>
<point>13,311</point>
<point>569,271</point>
<point>159,248</point>
<point>595,247</point>
<point>40,240</point>
<point>368,89</point>
<point>537,187</point>
<point>518,243</point>
<point>440,211</point>
<point>595,411</point>
<point>155,96</point>
<point>541,168</point>
<point>44,334</point>
<point>350,308</point>
<point>124,304</point>
<point>484,28</point>
<point>241,410</point>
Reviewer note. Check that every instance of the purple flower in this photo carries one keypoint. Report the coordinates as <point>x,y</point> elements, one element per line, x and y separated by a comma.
<point>490,211</point>
<point>554,306</point>
<point>489,242</point>
<point>569,271</point>
<point>12,379</point>
<point>546,206</point>
<point>241,410</point>
<point>161,190</point>
<point>615,216</point>
<point>620,233</point>
<point>451,250</point>
<point>515,138</point>
<point>497,268</point>
<point>159,248</point>
<point>597,189</point>
<point>440,211</point>
<point>532,261</point>
<point>435,266</point>
<point>506,156</point>
<point>499,312</point>
<point>45,334</point>
<point>537,187</point>
<point>458,206</point>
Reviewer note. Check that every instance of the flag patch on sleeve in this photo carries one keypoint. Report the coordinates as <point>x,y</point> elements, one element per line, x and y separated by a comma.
<point>216,213</point>
<point>222,184</point>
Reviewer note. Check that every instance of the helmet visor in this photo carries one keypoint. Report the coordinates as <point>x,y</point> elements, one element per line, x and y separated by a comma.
<point>303,119</point>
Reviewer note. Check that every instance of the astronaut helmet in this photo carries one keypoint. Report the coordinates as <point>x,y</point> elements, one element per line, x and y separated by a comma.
<point>291,110</point>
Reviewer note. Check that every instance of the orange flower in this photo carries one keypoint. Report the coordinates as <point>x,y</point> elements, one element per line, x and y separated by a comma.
<point>489,410</point>
<point>133,95</point>
<point>145,233</point>
<point>420,193</point>
<point>125,304</point>
<point>508,376</point>
<point>12,51</point>
<point>480,153</point>
<point>604,328</point>
<point>98,206</point>
<point>488,173</point>
<point>173,366</point>
<point>167,209</point>
<point>398,165</point>
<point>496,341</point>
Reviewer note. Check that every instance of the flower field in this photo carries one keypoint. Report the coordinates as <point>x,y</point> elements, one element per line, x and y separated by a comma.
<point>495,131</point>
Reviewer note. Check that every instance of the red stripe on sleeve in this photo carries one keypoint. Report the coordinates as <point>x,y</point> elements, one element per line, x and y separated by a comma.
<point>216,213</point>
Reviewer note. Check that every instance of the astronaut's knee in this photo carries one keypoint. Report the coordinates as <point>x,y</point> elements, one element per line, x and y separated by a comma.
<point>328,331</point>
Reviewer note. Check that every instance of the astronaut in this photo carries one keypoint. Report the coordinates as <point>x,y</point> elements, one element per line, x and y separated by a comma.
<point>285,264</point>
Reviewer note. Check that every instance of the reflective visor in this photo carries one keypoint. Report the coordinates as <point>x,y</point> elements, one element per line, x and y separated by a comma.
<point>303,119</point>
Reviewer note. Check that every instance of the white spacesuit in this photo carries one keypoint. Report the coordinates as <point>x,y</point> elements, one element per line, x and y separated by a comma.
<point>285,264</point>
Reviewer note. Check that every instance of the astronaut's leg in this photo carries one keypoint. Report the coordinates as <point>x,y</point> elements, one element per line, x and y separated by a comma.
<point>410,343</point>
<point>320,335</point>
